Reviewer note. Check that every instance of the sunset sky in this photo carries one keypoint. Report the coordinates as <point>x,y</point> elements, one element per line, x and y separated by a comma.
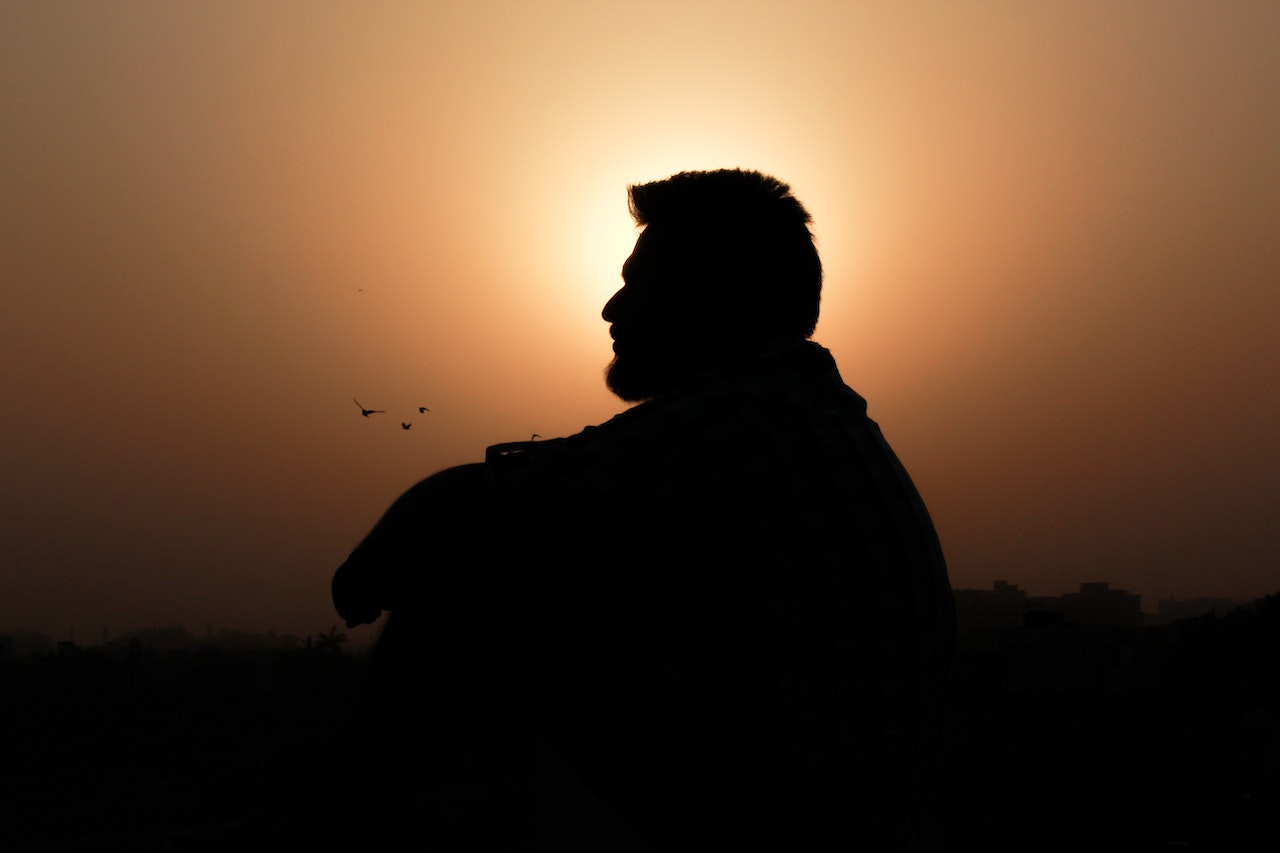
<point>1051,234</point>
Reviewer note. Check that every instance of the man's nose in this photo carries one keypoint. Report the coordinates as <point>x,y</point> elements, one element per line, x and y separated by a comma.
<point>610,311</point>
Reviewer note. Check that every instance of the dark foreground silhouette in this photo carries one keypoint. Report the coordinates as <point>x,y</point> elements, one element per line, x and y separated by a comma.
<point>179,743</point>
<point>721,620</point>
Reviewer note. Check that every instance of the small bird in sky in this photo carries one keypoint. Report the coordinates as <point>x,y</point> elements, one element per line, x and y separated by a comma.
<point>367,412</point>
<point>534,437</point>
<point>404,425</point>
<point>422,409</point>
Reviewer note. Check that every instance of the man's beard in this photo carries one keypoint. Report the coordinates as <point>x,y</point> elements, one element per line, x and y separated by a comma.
<point>636,378</point>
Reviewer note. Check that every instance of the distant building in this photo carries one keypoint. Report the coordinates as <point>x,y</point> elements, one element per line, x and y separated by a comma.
<point>22,644</point>
<point>978,610</point>
<point>1076,641</point>
<point>1045,610</point>
<point>1098,604</point>
<point>1083,640</point>
<point>1095,604</point>
<point>1170,609</point>
<point>1007,606</point>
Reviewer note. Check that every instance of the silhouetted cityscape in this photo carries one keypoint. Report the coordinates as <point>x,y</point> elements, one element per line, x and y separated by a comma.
<point>1076,723</point>
<point>1004,605</point>
<point>1096,603</point>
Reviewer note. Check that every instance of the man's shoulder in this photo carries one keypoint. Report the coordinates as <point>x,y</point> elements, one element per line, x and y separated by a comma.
<point>759,407</point>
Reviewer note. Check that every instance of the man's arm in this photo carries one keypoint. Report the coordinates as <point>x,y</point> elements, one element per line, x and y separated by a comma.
<point>438,515</point>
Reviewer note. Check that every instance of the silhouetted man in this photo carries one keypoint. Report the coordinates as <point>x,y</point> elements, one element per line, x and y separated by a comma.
<point>721,620</point>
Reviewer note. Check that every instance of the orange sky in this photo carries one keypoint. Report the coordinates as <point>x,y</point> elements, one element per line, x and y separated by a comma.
<point>1049,230</point>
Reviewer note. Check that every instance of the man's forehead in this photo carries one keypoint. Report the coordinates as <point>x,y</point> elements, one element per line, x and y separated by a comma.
<point>655,248</point>
<point>641,254</point>
<point>650,240</point>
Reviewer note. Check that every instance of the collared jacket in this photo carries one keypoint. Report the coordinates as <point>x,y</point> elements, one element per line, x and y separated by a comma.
<point>733,612</point>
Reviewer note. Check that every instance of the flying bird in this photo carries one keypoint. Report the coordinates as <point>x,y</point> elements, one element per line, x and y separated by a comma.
<point>422,409</point>
<point>404,425</point>
<point>367,412</point>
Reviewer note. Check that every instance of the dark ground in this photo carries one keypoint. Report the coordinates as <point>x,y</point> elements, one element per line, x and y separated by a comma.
<point>1154,739</point>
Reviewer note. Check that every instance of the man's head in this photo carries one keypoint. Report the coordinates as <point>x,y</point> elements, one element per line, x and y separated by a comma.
<point>725,264</point>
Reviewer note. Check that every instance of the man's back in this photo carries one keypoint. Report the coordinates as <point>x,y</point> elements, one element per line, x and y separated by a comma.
<point>737,614</point>
<point>724,613</point>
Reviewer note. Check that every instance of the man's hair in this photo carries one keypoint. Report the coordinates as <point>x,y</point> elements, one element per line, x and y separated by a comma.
<point>744,233</point>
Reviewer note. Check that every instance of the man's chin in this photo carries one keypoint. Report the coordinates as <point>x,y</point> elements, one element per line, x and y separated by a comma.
<point>633,384</point>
